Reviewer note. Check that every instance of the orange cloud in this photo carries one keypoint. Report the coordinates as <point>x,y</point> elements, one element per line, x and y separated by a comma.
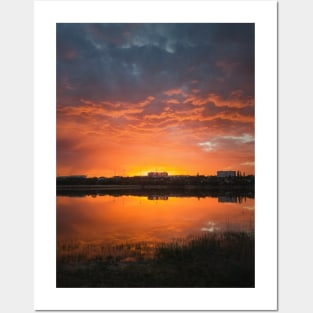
<point>119,138</point>
<point>176,91</point>
<point>236,101</point>
<point>171,101</point>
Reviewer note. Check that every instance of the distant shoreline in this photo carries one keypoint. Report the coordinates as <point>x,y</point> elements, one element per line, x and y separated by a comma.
<point>149,187</point>
<point>232,193</point>
<point>99,187</point>
<point>192,186</point>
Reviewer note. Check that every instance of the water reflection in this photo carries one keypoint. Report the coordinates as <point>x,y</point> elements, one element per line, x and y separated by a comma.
<point>156,197</point>
<point>84,191</point>
<point>115,219</point>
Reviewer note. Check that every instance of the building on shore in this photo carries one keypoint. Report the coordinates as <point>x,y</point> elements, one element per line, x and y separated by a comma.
<point>157,174</point>
<point>226,173</point>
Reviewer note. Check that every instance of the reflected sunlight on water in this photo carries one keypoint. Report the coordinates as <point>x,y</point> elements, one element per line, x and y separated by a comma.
<point>113,220</point>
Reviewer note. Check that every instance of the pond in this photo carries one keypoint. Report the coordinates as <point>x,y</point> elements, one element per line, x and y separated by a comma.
<point>112,220</point>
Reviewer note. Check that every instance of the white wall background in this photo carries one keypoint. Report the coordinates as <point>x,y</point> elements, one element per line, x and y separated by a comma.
<point>295,155</point>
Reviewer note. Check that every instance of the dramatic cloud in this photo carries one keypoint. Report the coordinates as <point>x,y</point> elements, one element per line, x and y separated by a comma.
<point>131,97</point>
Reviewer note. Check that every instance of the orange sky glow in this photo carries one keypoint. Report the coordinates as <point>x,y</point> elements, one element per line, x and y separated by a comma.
<point>138,98</point>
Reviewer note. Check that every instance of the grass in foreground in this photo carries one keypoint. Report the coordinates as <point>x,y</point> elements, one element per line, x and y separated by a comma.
<point>210,260</point>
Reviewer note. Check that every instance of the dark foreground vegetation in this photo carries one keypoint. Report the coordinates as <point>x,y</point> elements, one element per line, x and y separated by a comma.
<point>210,260</point>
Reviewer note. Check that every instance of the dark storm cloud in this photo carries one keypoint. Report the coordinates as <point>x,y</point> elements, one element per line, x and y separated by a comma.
<point>129,62</point>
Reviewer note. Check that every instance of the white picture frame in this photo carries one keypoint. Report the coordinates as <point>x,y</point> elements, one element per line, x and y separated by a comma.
<point>264,15</point>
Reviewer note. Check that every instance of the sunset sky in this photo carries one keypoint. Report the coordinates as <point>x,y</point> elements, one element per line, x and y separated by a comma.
<point>134,98</point>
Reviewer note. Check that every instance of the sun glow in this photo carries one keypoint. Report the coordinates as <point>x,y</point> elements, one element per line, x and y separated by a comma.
<point>130,125</point>
<point>136,171</point>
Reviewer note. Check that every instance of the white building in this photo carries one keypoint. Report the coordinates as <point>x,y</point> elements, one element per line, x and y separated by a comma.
<point>157,174</point>
<point>226,173</point>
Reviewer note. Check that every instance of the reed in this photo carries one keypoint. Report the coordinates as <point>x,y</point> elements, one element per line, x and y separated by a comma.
<point>224,259</point>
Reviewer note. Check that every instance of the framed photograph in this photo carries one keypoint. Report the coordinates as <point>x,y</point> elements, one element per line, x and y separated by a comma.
<point>155,155</point>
